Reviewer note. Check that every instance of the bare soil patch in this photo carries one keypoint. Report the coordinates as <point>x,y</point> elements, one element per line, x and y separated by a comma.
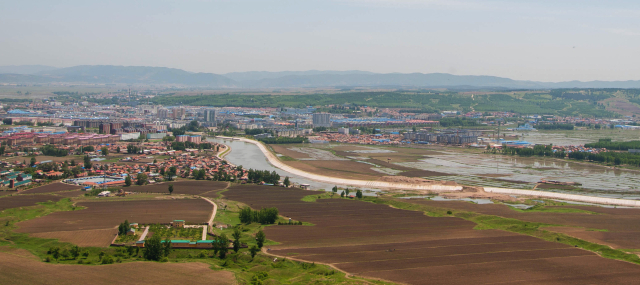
<point>341,169</point>
<point>107,215</point>
<point>290,153</point>
<point>53,187</point>
<point>16,201</point>
<point>189,187</point>
<point>96,238</point>
<point>621,224</point>
<point>378,241</point>
<point>71,194</point>
<point>17,269</point>
<point>4,193</point>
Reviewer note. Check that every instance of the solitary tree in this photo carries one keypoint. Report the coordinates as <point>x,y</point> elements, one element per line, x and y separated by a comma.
<point>253,250</point>
<point>127,180</point>
<point>153,249</point>
<point>33,161</point>
<point>223,245</point>
<point>118,149</point>
<point>358,194</point>
<point>334,189</point>
<point>104,150</point>
<point>286,182</point>
<point>141,179</point>
<point>260,238</point>
<point>342,194</point>
<point>87,162</point>
<point>237,232</point>
<point>347,192</point>
<point>170,189</point>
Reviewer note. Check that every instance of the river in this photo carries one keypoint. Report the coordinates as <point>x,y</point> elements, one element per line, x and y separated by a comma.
<point>249,156</point>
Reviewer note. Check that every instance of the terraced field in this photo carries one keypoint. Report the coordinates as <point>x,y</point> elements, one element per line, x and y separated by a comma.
<point>378,241</point>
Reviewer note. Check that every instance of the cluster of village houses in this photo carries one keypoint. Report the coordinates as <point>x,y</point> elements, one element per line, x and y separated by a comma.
<point>155,160</point>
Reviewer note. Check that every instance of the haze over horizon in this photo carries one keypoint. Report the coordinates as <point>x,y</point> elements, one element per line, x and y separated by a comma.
<point>521,40</point>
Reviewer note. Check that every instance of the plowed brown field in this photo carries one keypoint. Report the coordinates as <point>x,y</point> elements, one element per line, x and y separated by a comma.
<point>107,215</point>
<point>190,187</point>
<point>621,224</point>
<point>25,269</point>
<point>53,187</point>
<point>16,201</point>
<point>378,241</point>
<point>97,238</point>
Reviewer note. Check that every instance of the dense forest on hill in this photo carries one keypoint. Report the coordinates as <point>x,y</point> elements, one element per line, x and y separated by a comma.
<point>564,102</point>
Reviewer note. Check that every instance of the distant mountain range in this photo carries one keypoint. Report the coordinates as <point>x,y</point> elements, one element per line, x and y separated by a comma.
<point>144,75</point>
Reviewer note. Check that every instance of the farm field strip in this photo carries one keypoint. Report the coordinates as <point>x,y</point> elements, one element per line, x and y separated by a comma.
<point>619,223</point>
<point>553,269</point>
<point>191,187</point>
<point>408,263</point>
<point>410,253</point>
<point>51,188</point>
<point>96,238</point>
<point>19,269</point>
<point>377,241</point>
<point>103,215</point>
<point>409,245</point>
<point>8,202</point>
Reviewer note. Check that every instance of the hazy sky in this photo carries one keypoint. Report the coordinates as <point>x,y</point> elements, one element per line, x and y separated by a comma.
<point>531,40</point>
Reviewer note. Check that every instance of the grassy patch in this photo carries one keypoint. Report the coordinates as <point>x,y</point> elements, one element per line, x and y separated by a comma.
<point>543,208</point>
<point>597,230</point>
<point>313,198</point>
<point>287,158</point>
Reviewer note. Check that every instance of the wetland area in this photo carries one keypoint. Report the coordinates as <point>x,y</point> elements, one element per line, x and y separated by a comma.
<point>465,166</point>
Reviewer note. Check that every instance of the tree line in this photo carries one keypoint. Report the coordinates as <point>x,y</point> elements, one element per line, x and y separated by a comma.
<point>257,176</point>
<point>263,216</point>
<point>608,144</point>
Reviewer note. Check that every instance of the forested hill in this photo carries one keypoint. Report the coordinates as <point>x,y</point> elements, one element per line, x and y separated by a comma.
<point>589,103</point>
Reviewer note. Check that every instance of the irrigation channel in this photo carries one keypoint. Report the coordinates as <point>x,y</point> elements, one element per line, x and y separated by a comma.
<point>253,154</point>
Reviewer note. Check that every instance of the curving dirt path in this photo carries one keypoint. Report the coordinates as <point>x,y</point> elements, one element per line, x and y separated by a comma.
<point>213,213</point>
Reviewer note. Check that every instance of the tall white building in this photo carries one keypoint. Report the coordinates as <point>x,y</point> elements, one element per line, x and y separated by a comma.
<point>210,117</point>
<point>322,120</point>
